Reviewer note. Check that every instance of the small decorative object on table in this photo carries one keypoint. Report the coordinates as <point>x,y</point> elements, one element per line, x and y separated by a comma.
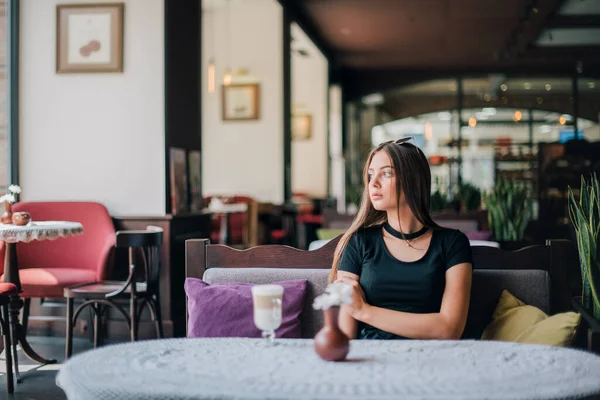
<point>9,199</point>
<point>21,218</point>
<point>331,344</point>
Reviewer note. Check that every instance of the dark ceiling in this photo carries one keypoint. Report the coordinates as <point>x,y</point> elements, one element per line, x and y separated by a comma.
<point>377,39</point>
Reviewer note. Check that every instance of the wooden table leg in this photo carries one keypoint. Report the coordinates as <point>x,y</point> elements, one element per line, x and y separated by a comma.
<point>224,229</point>
<point>11,274</point>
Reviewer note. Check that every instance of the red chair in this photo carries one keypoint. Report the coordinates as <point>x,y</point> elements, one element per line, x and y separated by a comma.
<point>47,267</point>
<point>6,290</point>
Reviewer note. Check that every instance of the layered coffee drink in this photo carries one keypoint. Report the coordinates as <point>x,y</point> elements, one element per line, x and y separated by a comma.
<point>267,308</point>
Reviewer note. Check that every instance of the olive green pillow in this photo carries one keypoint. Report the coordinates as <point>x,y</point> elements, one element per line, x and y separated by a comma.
<point>328,234</point>
<point>514,321</point>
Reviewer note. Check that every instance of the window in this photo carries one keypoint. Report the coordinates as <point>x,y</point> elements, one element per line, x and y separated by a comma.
<point>4,97</point>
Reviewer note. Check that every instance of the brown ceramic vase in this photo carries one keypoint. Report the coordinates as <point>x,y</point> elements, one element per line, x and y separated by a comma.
<point>21,218</point>
<point>6,217</point>
<point>331,344</point>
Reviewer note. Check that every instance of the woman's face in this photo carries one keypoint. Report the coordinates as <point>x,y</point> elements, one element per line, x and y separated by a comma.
<point>382,182</point>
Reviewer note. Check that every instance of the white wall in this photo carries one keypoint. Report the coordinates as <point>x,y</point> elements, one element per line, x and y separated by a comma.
<point>243,157</point>
<point>309,95</point>
<point>94,136</point>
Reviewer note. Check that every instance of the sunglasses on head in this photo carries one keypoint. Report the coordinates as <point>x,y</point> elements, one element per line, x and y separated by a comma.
<point>401,141</point>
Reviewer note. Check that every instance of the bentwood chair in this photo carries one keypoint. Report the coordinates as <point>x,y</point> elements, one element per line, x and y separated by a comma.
<point>141,287</point>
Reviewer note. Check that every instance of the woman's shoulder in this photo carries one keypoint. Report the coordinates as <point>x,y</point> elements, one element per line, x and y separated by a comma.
<point>365,236</point>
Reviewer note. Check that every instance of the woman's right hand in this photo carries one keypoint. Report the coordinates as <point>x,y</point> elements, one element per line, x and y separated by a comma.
<point>347,323</point>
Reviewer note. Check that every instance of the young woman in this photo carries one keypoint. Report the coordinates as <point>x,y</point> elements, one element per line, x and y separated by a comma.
<point>410,277</point>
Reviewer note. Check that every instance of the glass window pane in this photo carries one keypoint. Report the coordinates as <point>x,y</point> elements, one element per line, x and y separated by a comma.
<point>4,93</point>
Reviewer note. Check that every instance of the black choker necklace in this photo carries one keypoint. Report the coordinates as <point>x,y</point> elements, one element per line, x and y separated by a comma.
<point>404,236</point>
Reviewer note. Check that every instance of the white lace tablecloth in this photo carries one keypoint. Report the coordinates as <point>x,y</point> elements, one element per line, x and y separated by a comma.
<point>249,369</point>
<point>39,230</point>
<point>226,208</point>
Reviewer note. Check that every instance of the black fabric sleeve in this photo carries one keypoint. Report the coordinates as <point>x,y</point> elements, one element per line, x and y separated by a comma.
<point>459,250</point>
<point>352,256</point>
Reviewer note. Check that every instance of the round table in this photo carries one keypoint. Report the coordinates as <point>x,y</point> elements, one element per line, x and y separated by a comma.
<point>11,234</point>
<point>236,368</point>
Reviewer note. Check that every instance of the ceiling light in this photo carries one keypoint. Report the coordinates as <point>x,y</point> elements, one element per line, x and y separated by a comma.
<point>428,131</point>
<point>548,87</point>
<point>504,87</point>
<point>487,97</point>
<point>481,116</point>
<point>562,120</point>
<point>374,99</point>
<point>489,110</point>
<point>444,116</point>
<point>472,122</point>
<point>211,76</point>
<point>517,116</point>
<point>591,85</point>
<point>567,117</point>
<point>227,77</point>
<point>527,85</point>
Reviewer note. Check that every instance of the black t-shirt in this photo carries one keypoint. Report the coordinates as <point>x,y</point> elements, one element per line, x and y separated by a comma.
<point>414,287</point>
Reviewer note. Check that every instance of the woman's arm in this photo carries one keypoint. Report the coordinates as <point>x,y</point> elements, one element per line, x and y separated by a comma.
<point>347,323</point>
<point>449,323</point>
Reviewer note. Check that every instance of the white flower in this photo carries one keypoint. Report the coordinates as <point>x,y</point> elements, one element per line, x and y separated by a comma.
<point>7,197</point>
<point>336,294</point>
<point>14,189</point>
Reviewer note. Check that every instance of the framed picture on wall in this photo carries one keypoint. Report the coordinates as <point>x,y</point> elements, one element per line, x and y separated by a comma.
<point>241,102</point>
<point>301,127</point>
<point>178,175</point>
<point>195,166</point>
<point>89,38</point>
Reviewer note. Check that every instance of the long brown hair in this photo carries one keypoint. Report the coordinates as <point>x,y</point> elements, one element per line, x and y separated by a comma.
<point>413,177</point>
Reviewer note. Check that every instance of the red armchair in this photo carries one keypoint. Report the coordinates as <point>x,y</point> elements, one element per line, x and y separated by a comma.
<point>47,267</point>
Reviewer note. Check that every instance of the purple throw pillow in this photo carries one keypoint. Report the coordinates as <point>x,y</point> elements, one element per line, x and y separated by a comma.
<point>479,235</point>
<point>226,309</point>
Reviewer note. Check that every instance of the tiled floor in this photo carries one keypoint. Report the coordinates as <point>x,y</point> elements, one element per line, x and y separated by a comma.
<point>39,381</point>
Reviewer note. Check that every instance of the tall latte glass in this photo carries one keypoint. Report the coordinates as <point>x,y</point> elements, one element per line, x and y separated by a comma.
<point>267,309</point>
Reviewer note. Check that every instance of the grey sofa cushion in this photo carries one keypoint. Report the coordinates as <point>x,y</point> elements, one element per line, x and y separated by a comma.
<point>311,320</point>
<point>532,286</point>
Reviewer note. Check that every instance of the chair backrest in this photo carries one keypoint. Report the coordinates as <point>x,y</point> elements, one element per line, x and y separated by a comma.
<point>92,250</point>
<point>536,274</point>
<point>145,245</point>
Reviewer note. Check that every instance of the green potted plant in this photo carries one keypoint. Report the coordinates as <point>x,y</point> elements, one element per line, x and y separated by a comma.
<point>438,202</point>
<point>469,196</point>
<point>510,208</point>
<point>585,216</point>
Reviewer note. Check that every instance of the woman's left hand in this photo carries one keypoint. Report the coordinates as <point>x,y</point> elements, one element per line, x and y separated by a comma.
<point>359,304</point>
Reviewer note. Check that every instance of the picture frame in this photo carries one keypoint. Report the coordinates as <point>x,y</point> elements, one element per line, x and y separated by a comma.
<point>301,127</point>
<point>195,174</point>
<point>179,180</point>
<point>89,38</point>
<point>241,102</point>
